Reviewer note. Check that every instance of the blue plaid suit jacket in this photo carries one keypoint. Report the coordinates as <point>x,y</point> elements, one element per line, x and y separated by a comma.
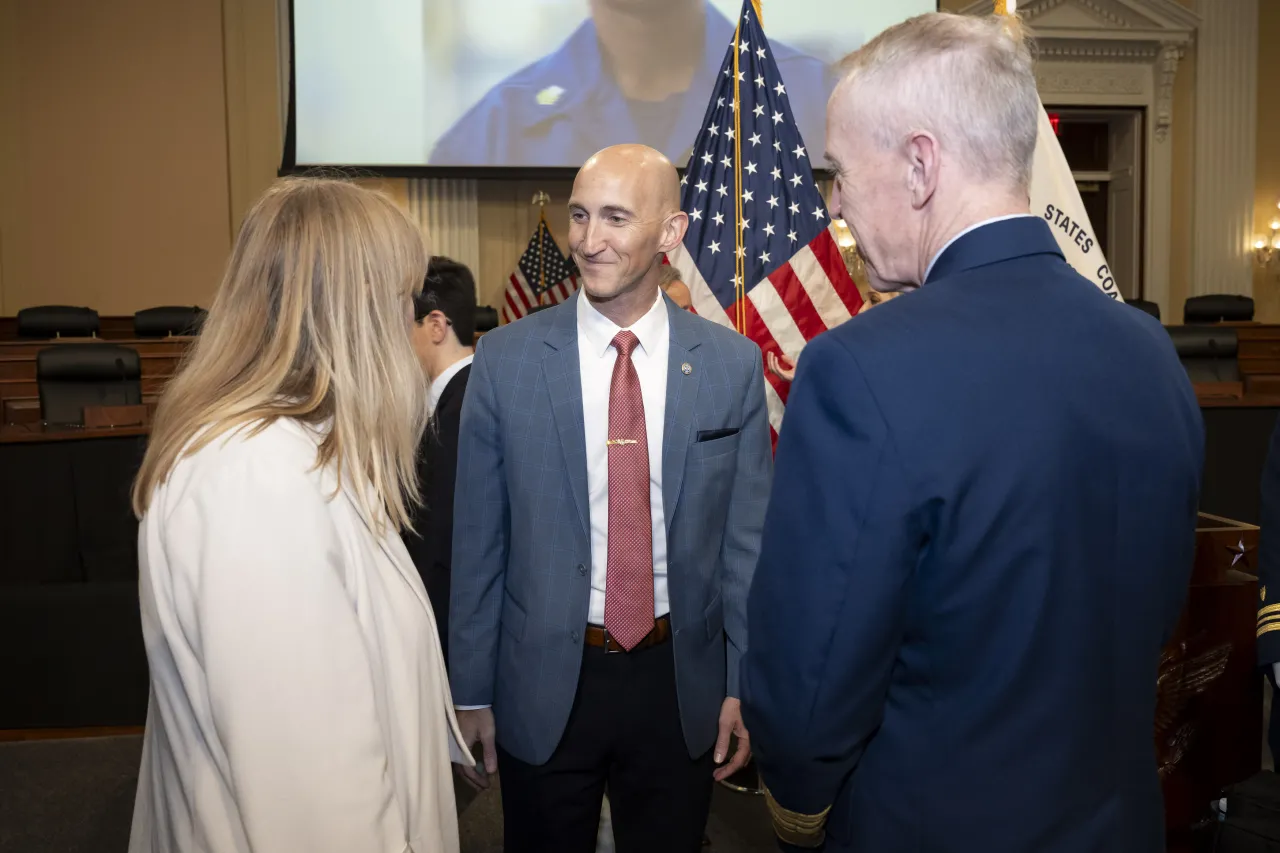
<point>521,549</point>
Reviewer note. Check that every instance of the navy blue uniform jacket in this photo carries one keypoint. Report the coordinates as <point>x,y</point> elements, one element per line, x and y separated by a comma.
<point>979,537</point>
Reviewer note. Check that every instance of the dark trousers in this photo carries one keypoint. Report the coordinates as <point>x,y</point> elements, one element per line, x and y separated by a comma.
<point>624,735</point>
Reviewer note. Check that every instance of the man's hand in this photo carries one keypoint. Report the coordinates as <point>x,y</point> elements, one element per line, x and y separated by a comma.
<point>731,723</point>
<point>780,366</point>
<point>477,727</point>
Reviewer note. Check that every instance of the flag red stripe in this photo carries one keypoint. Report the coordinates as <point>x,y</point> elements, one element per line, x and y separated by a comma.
<point>512,310</point>
<point>797,301</point>
<point>523,292</point>
<point>826,250</point>
<point>757,331</point>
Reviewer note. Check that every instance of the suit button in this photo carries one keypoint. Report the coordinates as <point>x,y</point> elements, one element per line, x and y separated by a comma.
<point>582,570</point>
<point>574,636</point>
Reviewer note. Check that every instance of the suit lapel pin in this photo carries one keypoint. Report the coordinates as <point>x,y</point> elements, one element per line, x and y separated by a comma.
<point>686,368</point>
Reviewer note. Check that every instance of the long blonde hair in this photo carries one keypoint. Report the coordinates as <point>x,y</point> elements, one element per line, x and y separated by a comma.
<point>311,322</point>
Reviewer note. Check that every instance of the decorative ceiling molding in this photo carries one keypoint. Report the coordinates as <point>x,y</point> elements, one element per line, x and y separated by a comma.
<point>1153,33</point>
<point>1093,50</point>
<point>1133,20</point>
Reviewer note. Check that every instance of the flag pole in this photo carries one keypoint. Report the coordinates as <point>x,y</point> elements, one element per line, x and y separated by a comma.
<point>541,199</point>
<point>740,253</point>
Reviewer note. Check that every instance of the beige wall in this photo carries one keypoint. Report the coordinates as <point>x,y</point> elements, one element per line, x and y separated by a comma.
<point>1266,283</point>
<point>114,166</point>
<point>1183,140</point>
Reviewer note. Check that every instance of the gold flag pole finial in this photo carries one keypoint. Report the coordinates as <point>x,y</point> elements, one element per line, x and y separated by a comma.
<point>1006,7</point>
<point>541,199</point>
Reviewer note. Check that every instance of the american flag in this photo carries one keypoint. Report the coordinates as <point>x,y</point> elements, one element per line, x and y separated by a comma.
<point>542,269</point>
<point>750,170</point>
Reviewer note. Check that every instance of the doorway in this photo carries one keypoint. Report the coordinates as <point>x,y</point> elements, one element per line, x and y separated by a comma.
<point>1104,147</point>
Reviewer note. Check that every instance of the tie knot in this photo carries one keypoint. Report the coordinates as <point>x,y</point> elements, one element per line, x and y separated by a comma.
<point>625,343</point>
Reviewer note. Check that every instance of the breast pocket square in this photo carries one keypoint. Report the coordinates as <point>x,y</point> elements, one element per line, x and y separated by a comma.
<point>713,434</point>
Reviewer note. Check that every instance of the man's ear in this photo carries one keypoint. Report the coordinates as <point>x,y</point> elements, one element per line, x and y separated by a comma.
<point>924,162</point>
<point>438,325</point>
<point>673,231</point>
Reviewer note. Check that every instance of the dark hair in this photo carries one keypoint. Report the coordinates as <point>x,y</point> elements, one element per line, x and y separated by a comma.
<point>450,289</point>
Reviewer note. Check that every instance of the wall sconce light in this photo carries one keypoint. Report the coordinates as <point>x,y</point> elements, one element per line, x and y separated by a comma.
<point>1266,251</point>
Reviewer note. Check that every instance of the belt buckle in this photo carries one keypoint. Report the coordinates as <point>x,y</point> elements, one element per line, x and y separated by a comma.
<point>610,651</point>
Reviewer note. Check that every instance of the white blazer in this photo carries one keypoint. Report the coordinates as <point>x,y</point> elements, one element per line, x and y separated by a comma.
<point>298,693</point>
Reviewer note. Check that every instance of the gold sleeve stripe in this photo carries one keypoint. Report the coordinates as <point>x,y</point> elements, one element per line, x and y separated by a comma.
<point>1270,608</point>
<point>1268,628</point>
<point>1267,620</point>
<point>799,830</point>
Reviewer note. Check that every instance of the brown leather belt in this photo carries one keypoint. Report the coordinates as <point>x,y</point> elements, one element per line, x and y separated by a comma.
<point>599,637</point>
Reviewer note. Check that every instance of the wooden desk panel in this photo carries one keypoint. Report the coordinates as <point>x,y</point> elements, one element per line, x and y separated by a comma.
<point>28,389</point>
<point>30,433</point>
<point>26,410</point>
<point>24,367</point>
<point>144,346</point>
<point>1258,349</point>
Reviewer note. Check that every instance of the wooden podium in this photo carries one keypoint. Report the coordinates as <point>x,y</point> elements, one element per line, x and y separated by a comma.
<point>1209,692</point>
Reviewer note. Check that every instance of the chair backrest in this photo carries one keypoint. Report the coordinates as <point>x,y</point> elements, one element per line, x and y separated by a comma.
<point>1217,307</point>
<point>168,320</point>
<point>57,321</point>
<point>1151,308</point>
<point>1208,354</point>
<point>72,376</point>
<point>486,318</point>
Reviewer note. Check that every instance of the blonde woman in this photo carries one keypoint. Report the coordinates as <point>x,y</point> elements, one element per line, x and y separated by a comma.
<point>298,694</point>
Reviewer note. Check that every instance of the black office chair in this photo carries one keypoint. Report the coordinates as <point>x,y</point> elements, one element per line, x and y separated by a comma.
<point>57,321</point>
<point>1217,308</point>
<point>1207,353</point>
<point>72,376</point>
<point>168,320</point>
<point>1143,305</point>
<point>486,318</point>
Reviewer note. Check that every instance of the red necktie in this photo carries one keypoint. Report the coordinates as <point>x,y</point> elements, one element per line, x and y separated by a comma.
<point>628,594</point>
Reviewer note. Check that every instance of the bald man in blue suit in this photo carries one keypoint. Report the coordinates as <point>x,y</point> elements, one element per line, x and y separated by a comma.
<point>982,521</point>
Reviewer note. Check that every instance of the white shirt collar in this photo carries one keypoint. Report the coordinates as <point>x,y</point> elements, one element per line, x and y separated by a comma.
<point>442,381</point>
<point>599,330</point>
<point>974,227</point>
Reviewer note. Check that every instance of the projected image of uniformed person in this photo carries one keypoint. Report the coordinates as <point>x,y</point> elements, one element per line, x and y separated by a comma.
<point>636,71</point>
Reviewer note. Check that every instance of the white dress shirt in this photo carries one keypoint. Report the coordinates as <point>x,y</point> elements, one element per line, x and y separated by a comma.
<point>974,227</point>
<point>596,357</point>
<point>442,381</point>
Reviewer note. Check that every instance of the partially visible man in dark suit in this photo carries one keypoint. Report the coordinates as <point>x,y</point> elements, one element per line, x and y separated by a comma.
<point>1269,582</point>
<point>444,317</point>
<point>982,523</point>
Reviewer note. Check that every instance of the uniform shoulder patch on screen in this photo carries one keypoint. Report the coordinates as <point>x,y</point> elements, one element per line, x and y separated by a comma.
<point>550,95</point>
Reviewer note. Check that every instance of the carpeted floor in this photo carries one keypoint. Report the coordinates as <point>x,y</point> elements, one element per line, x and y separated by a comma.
<point>76,796</point>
